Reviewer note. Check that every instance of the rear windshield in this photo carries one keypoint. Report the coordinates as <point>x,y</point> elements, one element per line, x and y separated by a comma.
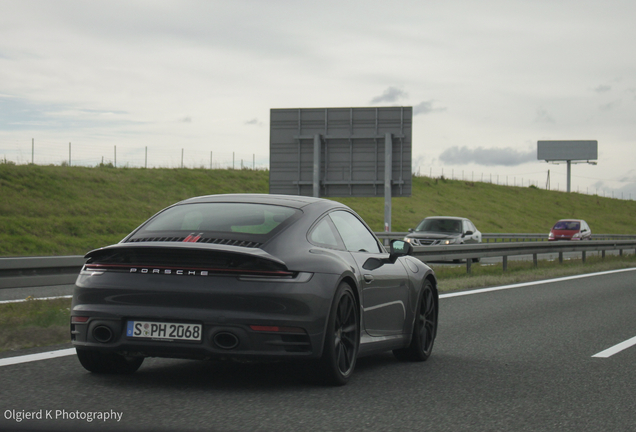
<point>227,219</point>
<point>440,225</point>
<point>567,225</point>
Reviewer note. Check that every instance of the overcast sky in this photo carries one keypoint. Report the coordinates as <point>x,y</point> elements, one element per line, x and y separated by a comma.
<point>486,80</point>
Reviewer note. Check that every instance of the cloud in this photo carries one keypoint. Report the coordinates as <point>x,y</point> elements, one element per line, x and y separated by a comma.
<point>418,160</point>
<point>488,157</point>
<point>254,121</point>
<point>602,89</point>
<point>626,189</point>
<point>187,119</point>
<point>20,114</point>
<point>609,106</point>
<point>543,116</point>
<point>630,177</point>
<point>426,108</point>
<point>390,95</point>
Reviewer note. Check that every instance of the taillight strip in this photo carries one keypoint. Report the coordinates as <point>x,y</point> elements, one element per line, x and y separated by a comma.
<point>168,270</point>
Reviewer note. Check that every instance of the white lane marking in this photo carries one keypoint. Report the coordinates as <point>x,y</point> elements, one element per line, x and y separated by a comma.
<point>525,284</point>
<point>616,348</point>
<point>71,351</point>
<point>35,298</point>
<point>35,357</point>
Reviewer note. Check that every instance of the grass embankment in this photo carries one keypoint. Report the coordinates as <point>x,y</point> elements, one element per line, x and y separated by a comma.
<point>55,210</point>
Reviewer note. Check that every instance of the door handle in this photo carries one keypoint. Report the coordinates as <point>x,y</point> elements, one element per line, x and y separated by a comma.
<point>368,278</point>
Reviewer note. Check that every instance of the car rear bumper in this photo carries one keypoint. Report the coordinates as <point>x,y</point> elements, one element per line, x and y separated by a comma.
<point>247,318</point>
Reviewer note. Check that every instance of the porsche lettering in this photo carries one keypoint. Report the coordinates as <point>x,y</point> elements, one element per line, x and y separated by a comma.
<point>169,271</point>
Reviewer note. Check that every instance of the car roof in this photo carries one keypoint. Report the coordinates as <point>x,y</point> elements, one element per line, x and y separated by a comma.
<point>294,201</point>
<point>446,217</point>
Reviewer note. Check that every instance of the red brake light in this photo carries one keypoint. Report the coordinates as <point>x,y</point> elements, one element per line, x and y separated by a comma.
<point>78,319</point>
<point>277,329</point>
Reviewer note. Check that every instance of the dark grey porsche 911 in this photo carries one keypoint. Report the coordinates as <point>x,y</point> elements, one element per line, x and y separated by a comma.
<point>253,277</point>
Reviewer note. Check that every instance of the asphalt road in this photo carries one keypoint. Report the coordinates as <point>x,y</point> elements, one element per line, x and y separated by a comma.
<point>509,360</point>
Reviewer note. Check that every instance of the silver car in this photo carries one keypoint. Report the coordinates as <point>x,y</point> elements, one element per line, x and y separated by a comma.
<point>443,230</point>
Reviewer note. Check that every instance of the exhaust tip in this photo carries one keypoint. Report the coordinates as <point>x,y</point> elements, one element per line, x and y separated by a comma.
<point>102,334</point>
<point>225,340</point>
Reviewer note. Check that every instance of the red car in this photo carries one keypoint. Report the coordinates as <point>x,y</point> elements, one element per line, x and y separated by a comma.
<point>570,229</point>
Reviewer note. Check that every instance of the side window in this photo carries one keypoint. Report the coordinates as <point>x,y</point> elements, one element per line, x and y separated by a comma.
<point>322,234</point>
<point>355,235</point>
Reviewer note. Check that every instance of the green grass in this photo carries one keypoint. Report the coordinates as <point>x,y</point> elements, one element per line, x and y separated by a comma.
<point>34,323</point>
<point>52,210</point>
<point>61,210</point>
<point>498,209</point>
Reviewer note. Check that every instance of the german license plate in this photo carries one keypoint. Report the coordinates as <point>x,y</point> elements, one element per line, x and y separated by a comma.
<point>164,330</point>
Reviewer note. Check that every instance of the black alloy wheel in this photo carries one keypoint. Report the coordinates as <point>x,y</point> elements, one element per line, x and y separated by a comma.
<point>424,328</point>
<point>342,339</point>
<point>108,363</point>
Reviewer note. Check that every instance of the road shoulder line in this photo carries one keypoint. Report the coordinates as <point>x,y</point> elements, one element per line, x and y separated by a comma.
<point>35,357</point>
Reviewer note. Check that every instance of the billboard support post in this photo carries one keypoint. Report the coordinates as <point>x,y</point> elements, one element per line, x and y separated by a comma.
<point>316,179</point>
<point>388,175</point>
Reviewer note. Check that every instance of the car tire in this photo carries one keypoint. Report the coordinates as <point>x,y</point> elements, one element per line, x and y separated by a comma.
<point>424,328</point>
<point>108,363</point>
<point>342,338</point>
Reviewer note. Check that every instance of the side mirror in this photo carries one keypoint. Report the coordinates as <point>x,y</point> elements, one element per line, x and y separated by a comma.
<point>400,248</point>
<point>411,229</point>
<point>468,233</point>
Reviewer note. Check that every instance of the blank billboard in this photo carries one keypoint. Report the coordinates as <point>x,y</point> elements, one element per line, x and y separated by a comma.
<point>351,145</point>
<point>567,150</point>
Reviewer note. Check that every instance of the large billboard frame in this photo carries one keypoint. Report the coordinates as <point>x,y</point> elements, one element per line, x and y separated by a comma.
<point>342,152</point>
<point>571,150</point>
<point>568,151</point>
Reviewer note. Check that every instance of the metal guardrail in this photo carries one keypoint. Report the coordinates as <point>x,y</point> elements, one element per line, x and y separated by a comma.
<point>544,237</point>
<point>63,270</point>
<point>506,249</point>
<point>509,237</point>
<point>24,272</point>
